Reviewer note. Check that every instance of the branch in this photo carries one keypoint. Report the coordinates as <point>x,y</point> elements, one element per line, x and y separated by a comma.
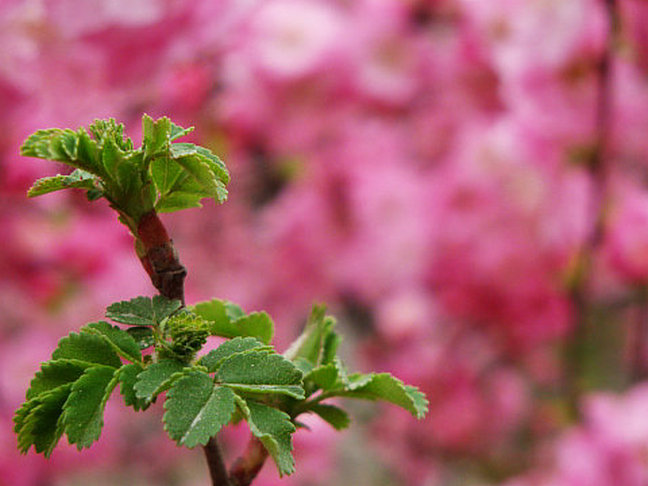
<point>160,260</point>
<point>246,467</point>
<point>599,171</point>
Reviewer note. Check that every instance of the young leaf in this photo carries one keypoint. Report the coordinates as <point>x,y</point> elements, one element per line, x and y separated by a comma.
<point>215,357</point>
<point>121,341</point>
<point>196,409</point>
<point>39,422</point>
<point>260,372</point>
<point>78,179</point>
<point>335,416</point>
<point>127,377</point>
<point>274,428</point>
<point>177,131</point>
<point>197,167</point>
<point>155,135</point>
<point>142,335</point>
<point>310,344</point>
<point>177,200</point>
<point>54,374</point>
<point>188,333</point>
<point>72,148</point>
<point>156,378</point>
<point>142,311</point>
<point>383,386</point>
<point>324,377</point>
<point>87,347</point>
<point>228,320</point>
<point>83,410</point>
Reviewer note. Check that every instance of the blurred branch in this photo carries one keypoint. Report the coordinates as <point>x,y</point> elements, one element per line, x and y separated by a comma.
<point>599,171</point>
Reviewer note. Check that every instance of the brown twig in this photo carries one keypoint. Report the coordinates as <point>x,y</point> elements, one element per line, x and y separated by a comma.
<point>160,260</point>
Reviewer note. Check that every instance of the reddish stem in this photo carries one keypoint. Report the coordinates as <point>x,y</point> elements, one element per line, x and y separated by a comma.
<point>246,467</point>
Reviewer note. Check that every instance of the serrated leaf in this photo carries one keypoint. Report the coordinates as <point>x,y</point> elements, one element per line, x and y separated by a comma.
<point>335,416</point>
<point>274,429</point>
<point>121,341</point>
<point>53,374</point>
<point>156,378</point>
<point>78,179</point>
<point>87,347</point>
<point>39,421</point>
<point>196,409</point>
<point>127,376</point>
<point>228,320</point>
<point>118,168</point>
<point>215,358</point>
<point>324,377</point>
<point>103,129</point>
<point>304,366</point>
<point>197,166</point>
<point>260,372</point>
<point>177,131</point>
<point>310,344</point>
<point>178,200</point>
<point>75,149</point>
<point>83,411</point>
<point>155,135</point>
<point>142,335</point>
<point>142,311</point>
<point>383,386</point>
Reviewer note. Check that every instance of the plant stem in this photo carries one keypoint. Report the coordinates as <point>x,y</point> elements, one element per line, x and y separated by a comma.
<point>160,260</point>
<point>246,467</point>
<point>599,173</point>
<point>217,469</point>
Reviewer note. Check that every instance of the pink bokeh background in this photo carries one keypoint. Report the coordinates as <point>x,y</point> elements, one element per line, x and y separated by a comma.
<point>420,165</point>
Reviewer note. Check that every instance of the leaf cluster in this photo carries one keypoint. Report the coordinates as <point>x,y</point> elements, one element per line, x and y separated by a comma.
<point>161,175</point>
<point>242,379</point>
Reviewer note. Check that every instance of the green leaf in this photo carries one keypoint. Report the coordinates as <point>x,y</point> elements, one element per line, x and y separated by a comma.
<point>228,320</point>
<point>120,169</point>
<point>165,173</point>
<point>196,409</point>
<point>215,358</point>
<point>177,131</point>
<point>383,386</point>
<point>75,149</point>
<point>54,374</point>
<point>331,344</point>
<point>335,416</point>
<point>39,422</point>
<point>310,345</point>
<point>78,179</point>
<point>177,200</point>
<point>197,167</point>
<point>83,410</point>
<point>109,129</point>
<point>260,372</point>
<point>304,366</point>
<point>142,335</point>
<point>142,311</point>
<point>274,428</point>
<point>127,376</point>
<point>155,135</point>
<point>218,167</point>
<point>121,341</point>
<point>325,377</point>
<point>87,347</point>
<point>157,378</point>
